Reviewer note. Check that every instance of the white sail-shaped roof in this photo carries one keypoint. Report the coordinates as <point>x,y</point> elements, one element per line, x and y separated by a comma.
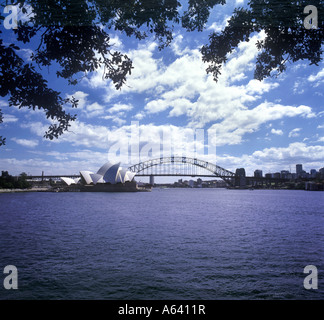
<point>96,178</point>
<point>86,176</point>
<point>102,171</point>
<point>68,181</point>
<point>121,175</point>
<point>111,174</point>
<point>130,175</point>
<point>77,180</point>
<point>126,175</point>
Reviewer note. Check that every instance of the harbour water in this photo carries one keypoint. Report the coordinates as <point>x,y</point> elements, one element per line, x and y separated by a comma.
<point>166,244</point>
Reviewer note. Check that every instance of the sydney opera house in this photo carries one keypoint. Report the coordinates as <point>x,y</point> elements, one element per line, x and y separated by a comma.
<point>109,178</point>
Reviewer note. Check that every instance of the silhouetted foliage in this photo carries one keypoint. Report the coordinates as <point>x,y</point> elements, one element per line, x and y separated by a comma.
<point>286,38</point>
<point>2,140</point>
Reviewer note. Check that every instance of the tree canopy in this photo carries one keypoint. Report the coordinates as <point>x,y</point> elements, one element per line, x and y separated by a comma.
<point>75,36</point>
<point>286,37</point>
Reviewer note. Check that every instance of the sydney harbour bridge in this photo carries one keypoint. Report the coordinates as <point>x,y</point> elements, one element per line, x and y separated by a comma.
<point>181,166</point>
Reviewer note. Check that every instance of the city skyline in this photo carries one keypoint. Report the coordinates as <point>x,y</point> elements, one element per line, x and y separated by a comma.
<point>299,175</point>
<point>270,125</point>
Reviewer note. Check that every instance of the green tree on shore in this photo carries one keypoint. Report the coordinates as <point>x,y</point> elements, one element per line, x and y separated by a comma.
<point>9,182</point>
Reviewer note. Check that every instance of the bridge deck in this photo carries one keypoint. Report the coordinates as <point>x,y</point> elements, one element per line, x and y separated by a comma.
<point>140,174</point>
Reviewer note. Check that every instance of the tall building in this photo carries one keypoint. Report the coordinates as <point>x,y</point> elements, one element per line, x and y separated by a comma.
<point>240,180</point>
<point>299,170</point>
<point>240,172</point>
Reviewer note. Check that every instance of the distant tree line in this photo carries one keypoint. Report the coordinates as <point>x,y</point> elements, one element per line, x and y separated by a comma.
<point>9,182</point>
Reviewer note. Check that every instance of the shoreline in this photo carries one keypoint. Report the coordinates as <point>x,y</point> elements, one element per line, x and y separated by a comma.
<point>26,190</point>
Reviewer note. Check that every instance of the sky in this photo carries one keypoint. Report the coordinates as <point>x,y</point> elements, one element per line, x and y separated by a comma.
<point>170,101</point>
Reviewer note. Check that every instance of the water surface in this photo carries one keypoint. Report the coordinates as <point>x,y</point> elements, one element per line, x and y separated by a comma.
<point>164,244</point>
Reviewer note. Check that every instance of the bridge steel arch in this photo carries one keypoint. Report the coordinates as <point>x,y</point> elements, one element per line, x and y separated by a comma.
<point>216,170</point>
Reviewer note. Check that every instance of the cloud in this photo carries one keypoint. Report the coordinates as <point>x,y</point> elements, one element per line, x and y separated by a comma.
<point>26,143</point>
<point>115,119</point>
<point>299,86</point>
<point>26,53</point>
<point>186,90</point>
<point>277,132</point>
<point>183,89</point>
<point>84,159</point>
<point>145,69</point>
<point>152,139</point>
<point>294,133</point>
<point>219,26</point>
<point>88,109</point>
<point>317,77</point>
<point>118,107</point>
<point>4,103</point>
<point>232,129</point>
<point>139,116</point>
<point>79,134</point>
<point>275,159</point>
<point>37,164</point>
<point>116,43</point>
<point>8,118</point>
<point>185,77</point>
<point>177,46</point>
<point>94,109</point>
<point>295,152</point>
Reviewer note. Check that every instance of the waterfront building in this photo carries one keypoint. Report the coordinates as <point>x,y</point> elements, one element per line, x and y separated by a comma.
<point>284,174</point>
<point>109,173</point>
<point>321,172</point>
<point>313,173</point>
<point>258,174</point>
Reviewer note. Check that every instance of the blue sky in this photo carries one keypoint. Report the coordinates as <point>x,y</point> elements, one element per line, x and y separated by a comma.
<point>270,125</point>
